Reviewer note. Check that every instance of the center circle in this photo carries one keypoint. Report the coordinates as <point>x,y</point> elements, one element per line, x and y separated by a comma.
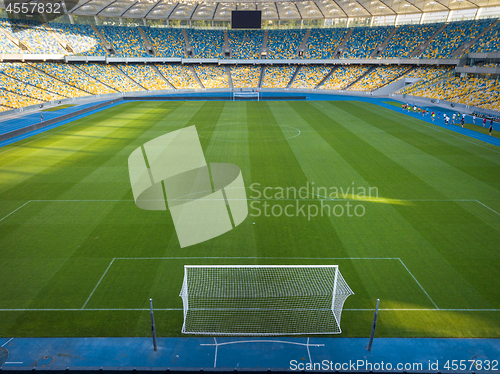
<point>248,133</point>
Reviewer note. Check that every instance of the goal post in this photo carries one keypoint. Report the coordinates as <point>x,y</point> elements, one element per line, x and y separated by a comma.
<point>246,95</point>
<point>263,300</point>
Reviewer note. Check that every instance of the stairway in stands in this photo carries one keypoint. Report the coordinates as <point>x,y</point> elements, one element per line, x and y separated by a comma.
<point>381,48</point>
<point>422,47</point>
<point>462,49</point>
<point>341,47</point>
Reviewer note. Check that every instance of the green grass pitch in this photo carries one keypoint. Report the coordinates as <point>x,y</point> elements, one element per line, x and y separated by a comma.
<point>78,258</point>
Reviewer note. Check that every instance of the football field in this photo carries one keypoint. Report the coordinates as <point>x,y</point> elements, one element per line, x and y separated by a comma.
<point>409,211</point>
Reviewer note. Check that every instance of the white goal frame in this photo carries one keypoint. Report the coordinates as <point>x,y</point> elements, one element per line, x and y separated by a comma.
<point>262,300</point>
<point>246,95</point>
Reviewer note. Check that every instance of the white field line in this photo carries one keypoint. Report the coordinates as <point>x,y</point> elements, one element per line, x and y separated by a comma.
<point>319,197</point>
<point>422,310</point>
<point>216,347</point>
<point>281,258</point>
<point>486,206</point>
<point>7,342</point>
<point>13,363</point>
<point>308,351</point>
<point>415,279</point>
<point>264,341</point>
<point>269,258</point>
<point>264,258</point>
<point>180,309</point>
<point>14,211</point>
<point>253,258</point>
<point>97,285</point>
<point>89,310</point>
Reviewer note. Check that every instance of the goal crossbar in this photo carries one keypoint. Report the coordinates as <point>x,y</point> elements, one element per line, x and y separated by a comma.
<point>263,300</point>
<point>260,266</point>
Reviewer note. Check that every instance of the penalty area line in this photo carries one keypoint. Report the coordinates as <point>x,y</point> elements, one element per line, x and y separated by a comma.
<point>415,279</point>
<point>486,206</point>
<point>98,283</point>
<point>11,213</point>
<point>254,258</point>
<point>90,310</point>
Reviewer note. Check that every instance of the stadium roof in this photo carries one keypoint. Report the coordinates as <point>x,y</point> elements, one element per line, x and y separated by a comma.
<point>201,10</point>
<point>271,9</point>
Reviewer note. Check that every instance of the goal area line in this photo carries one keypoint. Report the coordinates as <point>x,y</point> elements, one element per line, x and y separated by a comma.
<point>180,309</point>
<point>83,308</point>
<point>318,197</point>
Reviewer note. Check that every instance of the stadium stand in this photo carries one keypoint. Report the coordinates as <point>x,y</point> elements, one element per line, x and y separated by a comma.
<point>25,73</point>
<point>471,91</point>
<point>72,76</point>
<point>283,43</point>
<point>434,75</point>
<point>310,76</point>
<point>33,35</point>
<point>343,76</point>
<point>81,38</point>
<point>180,76</point>
<point>489,65</point>
<point>109,76</point>
<point>424,72</point>
<point>378,78</point>
<point>448,88</point>
<point>245,76</point>
<point>6,46</point>
<point>34,82</point>
<point>364,40</point>
<point>493,104</point>
<point>166,42</point>
<point>322,43</point>
<point>277,76</point>
<point>245,44</point>
<point>212,76</point>
<point>407,38</point>
<point>22,88</point>
<point>206,43</point>
<point>489,42</point>
<point>145,75</point>
<point>10,99</point>
<point>481,93</point>
<point>4,108</point>
<point>126,40</point>
<point>454,35</point>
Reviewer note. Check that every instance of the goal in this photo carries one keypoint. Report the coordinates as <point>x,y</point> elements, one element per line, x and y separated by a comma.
<point>246,95</point>
<point>263,300</point>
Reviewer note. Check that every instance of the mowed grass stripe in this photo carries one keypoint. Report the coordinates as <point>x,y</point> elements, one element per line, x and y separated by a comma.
<point>229,143</point>
<point>450,182</point>
<point>327,168</point>
<point>126,231</point>
<point>274,164</point>
<point>163,234</point>
<point>61,162</point>
<point>374,166</point>
<point>57,241</point>
<point>481,149</point>
<point>458,154</point>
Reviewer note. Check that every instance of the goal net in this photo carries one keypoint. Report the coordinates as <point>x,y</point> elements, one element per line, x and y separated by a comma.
<point>263,300</point>
<point>246,95</point>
